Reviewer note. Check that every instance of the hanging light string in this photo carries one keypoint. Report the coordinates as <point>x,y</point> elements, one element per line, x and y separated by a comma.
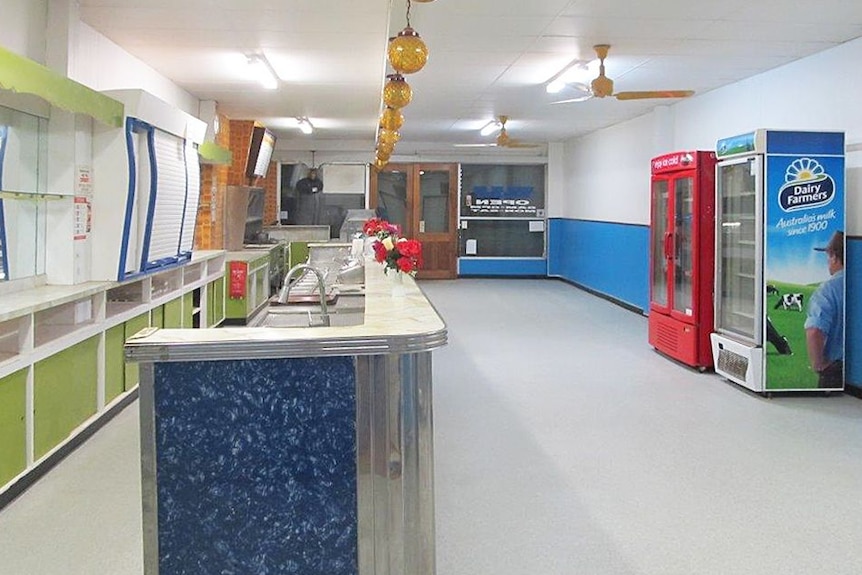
<point>408,13</point>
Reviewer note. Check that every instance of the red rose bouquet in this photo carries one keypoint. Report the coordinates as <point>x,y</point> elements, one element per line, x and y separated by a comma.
<point>380,228</point>
<point>394,252</point>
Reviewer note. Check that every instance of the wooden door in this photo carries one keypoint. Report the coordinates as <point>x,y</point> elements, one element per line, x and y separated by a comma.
<point>422,199</point>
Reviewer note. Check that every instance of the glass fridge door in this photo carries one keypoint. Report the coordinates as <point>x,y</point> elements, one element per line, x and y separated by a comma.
<point>739,246</point>
<point>683,269</point>
<point>660,237</point>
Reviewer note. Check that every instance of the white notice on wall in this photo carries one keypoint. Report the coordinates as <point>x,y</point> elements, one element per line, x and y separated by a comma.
<point>470,248</point>
<point>84,181</point>
<point>537,226</point>
<point>83,215</point>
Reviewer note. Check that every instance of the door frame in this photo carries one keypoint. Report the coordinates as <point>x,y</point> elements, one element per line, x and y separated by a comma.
<point>413,211</point>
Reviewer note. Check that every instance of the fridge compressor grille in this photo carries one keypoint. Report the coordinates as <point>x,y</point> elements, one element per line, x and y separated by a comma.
<point>667,337</point>
<point>732,363</point>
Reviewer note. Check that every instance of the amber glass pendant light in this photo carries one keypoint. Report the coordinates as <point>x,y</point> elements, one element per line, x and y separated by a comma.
<point>397,93</point>
<point>391,118</point>
<point>407,52</point>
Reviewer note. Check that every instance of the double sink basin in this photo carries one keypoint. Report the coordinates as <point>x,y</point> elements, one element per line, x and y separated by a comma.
<point>345,310</point>
<point>345,306</point>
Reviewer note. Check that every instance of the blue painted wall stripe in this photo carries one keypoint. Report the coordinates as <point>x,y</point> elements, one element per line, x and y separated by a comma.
<point>606,257</point>
<point>853,312</point>
<point>502,267</point>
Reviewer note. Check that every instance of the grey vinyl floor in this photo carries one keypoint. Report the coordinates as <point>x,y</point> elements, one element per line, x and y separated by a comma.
<point>564,445</point>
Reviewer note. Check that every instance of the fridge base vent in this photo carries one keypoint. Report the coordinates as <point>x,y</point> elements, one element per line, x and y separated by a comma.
<point>733,363</point>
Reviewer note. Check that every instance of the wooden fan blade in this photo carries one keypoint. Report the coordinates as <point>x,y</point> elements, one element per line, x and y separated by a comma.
<point>521,145</point>
<point>653,94</point>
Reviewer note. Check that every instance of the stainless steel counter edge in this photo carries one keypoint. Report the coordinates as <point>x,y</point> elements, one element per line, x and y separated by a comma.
<point>393,325</point>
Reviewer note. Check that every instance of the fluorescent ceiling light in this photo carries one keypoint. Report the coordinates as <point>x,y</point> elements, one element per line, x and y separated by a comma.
<point>575,71</point>
<point>555,86</point>
<point>263,71</point>
<point>489,128</point>
<point>305,125</point>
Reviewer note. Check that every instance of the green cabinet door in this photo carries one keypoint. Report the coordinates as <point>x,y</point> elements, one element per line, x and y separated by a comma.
<point>64,393</point>
<point>173,314</point>
<point>132,327</point>
<point>218,301</point>
<point>157,317</point>
<point>115,365</point>
<point>215,302</point>
<point>13,431</point>
<point>188,310</point>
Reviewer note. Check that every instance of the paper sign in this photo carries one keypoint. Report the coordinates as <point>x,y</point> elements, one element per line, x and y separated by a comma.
<point>537,226</point>
<point>83,217</point>
<point>470,247</point>
<point>84,181</point>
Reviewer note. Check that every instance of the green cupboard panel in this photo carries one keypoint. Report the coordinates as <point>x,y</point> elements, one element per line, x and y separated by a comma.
<point>218,301</point>
<point>298,253</point>
<point>132,327</point>
<point>115,365</point>
<point>215,302</point>
<point>13,431</point>
<point>64,393</point>
<point>188,310</point>
<point>157,317</point>
<point>173,314</point>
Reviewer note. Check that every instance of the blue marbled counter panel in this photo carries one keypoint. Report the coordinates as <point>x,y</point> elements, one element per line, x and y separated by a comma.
<point>256,464</point>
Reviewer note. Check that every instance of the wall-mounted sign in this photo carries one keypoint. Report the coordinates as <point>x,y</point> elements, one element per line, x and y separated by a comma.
<point>502,201</point>
<point>236,282</point>
<point>84,181</point>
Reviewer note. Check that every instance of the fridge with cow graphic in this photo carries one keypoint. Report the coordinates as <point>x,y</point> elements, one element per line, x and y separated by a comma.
<point>779,288</point>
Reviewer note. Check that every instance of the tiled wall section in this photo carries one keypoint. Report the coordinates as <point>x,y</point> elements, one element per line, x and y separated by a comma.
<point>236,136</point>
<point>209,230</point>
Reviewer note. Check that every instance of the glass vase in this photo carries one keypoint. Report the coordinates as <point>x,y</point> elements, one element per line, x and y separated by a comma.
<point>397,279</point>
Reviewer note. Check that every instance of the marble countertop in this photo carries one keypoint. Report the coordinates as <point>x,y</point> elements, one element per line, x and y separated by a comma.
<point>393,324</point>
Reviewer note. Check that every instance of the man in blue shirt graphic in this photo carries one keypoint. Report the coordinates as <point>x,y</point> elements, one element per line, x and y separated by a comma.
<point>824,326</point>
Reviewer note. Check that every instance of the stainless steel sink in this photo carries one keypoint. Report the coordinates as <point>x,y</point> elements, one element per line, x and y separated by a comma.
<point>347,310</point>
<point>343,319</point>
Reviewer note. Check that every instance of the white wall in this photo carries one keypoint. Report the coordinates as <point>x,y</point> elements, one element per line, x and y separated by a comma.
<point>607,172</point>
<point>23,27</point>
<point>604,173</point>
<point>103,65</point>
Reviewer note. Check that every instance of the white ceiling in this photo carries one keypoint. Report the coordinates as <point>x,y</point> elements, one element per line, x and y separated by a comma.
<point>487,57</point>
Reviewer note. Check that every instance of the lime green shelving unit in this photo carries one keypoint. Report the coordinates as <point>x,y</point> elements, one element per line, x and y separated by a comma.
<point>62,357</point>
<point>13,430</point>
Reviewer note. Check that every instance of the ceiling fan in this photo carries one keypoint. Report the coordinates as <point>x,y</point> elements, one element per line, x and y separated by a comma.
<point>602,86</point>
<point>503,140</point>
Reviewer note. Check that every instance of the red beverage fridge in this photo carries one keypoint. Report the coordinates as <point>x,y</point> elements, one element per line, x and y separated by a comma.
<point>682,256</point>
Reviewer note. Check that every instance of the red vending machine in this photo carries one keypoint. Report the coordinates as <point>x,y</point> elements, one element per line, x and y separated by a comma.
<point>682,256</point>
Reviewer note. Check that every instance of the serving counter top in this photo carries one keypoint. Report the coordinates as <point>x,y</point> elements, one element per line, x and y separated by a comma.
<point>392,324</point>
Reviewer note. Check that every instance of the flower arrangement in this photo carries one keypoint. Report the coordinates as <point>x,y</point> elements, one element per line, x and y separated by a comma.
<point>394,252</point>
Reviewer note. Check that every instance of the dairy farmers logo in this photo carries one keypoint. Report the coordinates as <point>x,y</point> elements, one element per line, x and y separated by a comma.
<point>806,185</point>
